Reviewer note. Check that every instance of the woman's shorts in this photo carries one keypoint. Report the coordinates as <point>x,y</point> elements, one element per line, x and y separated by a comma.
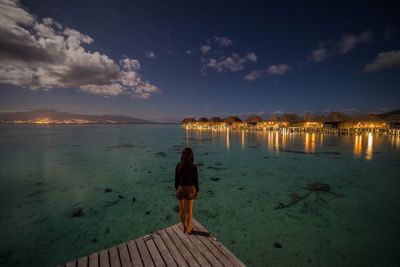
<point>186,192</point>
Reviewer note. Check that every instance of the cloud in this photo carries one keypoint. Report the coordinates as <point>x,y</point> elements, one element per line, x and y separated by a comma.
<point>349,41</point>
<point>150,54</point>
<point>45,55</point>
<point>279,69</point>
<point>231,63</point>
<point>254,75</point>
<point>223,41</point>
<point>384,60</point>
<point>272,70</point>
<point>189,52</point>
<point>319,55</point>
<point>251,56</point>
<point>342,46</point>
<point>205,48</point>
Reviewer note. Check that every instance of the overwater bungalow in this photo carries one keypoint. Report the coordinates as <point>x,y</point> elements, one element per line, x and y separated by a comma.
<point>337,120</point>
<point>203,122</point>
<point>186,121</point>
<point>393,118</point>
<point>371,122</point>
<point>307,124</point>
<point>253,121</point>
<point>273,123</point>
<point>216,122</point>
<point>233,121</point>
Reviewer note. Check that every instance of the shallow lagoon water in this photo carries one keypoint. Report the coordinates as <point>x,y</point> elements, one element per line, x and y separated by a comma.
<point>47,172</point>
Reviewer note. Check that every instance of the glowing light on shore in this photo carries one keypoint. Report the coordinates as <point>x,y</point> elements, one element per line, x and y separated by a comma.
<point>42,121</point>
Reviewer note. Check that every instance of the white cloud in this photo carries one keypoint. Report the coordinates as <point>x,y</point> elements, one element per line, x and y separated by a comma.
<point>342,46</point>
<point>44,55</point>
<point>272,70</point>
<point>231,63</point>
<point>254,75</point>
<point>223,41</point>
<point>384,60</point>
<point>251,56</point>
<point>150,54</point>
<point>189,52</point>
<point>279,69</point>
<point>205,48</point>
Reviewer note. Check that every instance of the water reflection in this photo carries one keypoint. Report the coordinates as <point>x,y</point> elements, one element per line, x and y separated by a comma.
<point>242,139</point>
<point>369,151</point>
<point>309,143</point>
<point>227,138</point>
<point>358,145</point>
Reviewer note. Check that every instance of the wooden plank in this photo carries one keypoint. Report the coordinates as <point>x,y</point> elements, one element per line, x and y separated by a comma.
<point>203,249</point>
<point>189,245</point>
<point>181,247</point>
<point>94,260</point>
<point>124,255</point>
<point>71,264</point>
<point>161,246</point>
<point>134,252</point>
<point>158,260</point>
<point>180,261</point>
<point>144,253</point>
<point>114,257</point>
<point>232,258</point>
<point>104,259</point>
<point>211,247</point>
<point>83,262</point>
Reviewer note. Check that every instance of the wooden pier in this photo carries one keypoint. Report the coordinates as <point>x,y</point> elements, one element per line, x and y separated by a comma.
<point>165,247</point>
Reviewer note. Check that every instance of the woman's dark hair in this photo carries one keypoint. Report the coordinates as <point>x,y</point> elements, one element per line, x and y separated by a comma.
<point>187,155</point>
<point>187,158</point>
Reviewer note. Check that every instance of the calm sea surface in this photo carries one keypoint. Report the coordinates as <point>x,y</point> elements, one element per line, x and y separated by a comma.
<point>47,172</point>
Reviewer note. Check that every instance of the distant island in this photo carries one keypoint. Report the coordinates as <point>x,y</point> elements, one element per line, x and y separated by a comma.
<point>52,116</point>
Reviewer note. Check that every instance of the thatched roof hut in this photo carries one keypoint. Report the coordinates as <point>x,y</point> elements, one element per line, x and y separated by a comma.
<point>202,119</point>
<point>254,119</point>
<point>372,118</point>
<point>320,118</point>
<point>290,117</point>
<point>188,120</point>
<point>337,117</point>
<point>232,119</point>
<point>216,119</point>
<point>274,118</point>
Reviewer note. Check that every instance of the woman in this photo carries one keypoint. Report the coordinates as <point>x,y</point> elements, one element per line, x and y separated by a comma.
<point>187,188</point>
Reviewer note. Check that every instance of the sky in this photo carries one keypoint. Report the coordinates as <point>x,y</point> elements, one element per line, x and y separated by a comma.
<point>165,60</point>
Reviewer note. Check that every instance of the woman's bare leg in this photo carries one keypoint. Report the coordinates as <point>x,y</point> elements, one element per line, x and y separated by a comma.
<point>189,204</point>
<point>182,213</point>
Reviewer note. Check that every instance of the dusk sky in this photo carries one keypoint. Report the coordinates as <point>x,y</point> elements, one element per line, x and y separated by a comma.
<point>156,59</point>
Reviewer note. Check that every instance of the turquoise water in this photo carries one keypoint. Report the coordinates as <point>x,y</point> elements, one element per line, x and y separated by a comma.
<point>47,172</point>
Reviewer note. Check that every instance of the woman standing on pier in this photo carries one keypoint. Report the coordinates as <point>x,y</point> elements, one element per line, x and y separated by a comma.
<point>187,188</point>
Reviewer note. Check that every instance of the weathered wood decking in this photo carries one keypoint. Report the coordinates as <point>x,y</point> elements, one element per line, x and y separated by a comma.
<point>166,247</point>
